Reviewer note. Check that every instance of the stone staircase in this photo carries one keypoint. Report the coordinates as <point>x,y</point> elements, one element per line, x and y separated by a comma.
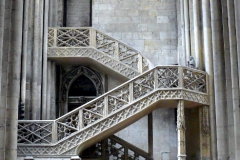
<point>100,118</point>
<point>105,51</point>
<point>113,111</point>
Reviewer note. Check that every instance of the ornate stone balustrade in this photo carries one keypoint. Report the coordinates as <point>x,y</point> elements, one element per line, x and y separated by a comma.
<point>68,41</point>
<point>104,113</point>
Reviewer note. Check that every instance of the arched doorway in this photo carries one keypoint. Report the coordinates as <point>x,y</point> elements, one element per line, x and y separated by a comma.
<point>79,86</point>
<point>81,91</point>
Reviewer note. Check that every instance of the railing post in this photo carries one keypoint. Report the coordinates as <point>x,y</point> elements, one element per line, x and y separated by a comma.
<point>80,115</point>
<point>55,37</point>
<point>131,92</point>
<point>93,37</point>
<point>140,64</point>
<point>181,77</point>
<point>116,51</point>
<point>54,132</point>
<point>155,78</point>
<point>125,152</point>
<point>105,111</point>
<point>181,131</point>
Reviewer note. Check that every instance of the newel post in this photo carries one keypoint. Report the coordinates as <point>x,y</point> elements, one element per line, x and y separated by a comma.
<point>93,37</point>
<point>130,92</point>
<point>105,112</point>
<point>54,132</point>
<point>55,37</point>
<point>80,115</point>
<point>140,64</point>
<point>181,77</point>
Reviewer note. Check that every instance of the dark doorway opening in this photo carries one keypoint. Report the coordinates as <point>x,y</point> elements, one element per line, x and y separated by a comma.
<point>81,91</point>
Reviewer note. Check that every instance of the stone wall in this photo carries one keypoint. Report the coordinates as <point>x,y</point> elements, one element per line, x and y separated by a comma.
<point>164,134</point>
<point>78,13</point>
<point>150,26</point>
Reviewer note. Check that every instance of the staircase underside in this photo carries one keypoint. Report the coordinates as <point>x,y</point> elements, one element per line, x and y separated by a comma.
<point>89,56</point>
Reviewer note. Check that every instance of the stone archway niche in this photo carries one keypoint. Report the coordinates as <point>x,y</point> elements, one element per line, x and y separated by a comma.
<point>80,86</point>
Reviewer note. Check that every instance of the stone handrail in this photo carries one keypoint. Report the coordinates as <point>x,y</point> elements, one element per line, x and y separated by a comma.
<point>114,107</point>
<point>71,37</point>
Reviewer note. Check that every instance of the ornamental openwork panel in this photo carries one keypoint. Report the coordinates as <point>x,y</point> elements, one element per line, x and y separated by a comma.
<point>73,37</point>
<point>168,77</point>
<point>143,85</point>
<point>50,37</point>
<point>64,131</point>
<point>115,104</point>
<point>90,117</point>
<point>194,80</point>
<point>35,132</point>
<point>115,150</point>
<point>105,44</point>
<point>131,61</point>
<point>121,93</point>
<point>71,120</point>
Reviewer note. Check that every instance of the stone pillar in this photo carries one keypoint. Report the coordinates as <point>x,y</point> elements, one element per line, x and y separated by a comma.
<point>2,107</point>
<point>24,53</point>
<point>187,29</point>
<point>197,37</point>
<point>181,131</point>
<point>44,61</point>
<point>234,76</point>
<point>35,89</point>
<point>14,73</point>
<point>237,25</point>
<point>49,86</point>
<point>219,78</point>
<point>182,60</point>
<point>40,56</point>
<point>53,91</point>
<point>205,133</point>
<point>208,65</point>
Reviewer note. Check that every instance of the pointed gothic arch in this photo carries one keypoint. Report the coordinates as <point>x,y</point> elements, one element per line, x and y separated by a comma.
<point>94,77</point>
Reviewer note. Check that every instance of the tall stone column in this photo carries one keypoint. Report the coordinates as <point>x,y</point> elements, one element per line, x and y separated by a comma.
<point>24,53</point>
<point>14,80</point>
<point>234,75</point>
<point>53,91</point>
<point>197,37</point>
<point>44,71</point>
<point>181,131</point>
<point>219,78</point>
<point>2,107</point>
<point>182,56</point>
<point>205,133</point>
<point>237,25</point>
<point>35,89</point>
<point>208,65</point>
<point>187,29</point>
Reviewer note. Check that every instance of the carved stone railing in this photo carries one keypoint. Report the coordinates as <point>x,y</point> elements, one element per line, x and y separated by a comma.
<point>123,104</point>
<point>65,42</point>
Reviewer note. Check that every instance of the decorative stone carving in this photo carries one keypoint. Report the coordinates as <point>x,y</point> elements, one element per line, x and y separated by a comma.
<point>122,103</point>
<point>180,116</point>
<point>89,37</point>
<point>93,76</point>
<point>191,62</point>
<point>205,124</point>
